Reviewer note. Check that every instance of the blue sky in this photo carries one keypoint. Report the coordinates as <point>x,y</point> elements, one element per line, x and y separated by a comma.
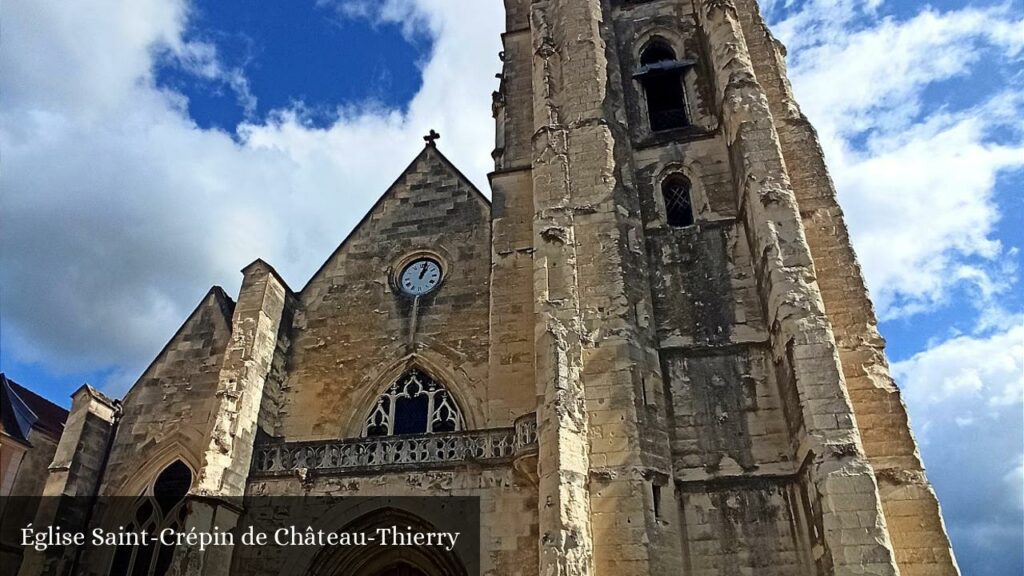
<point>155,147</point>
<point>290,53</point>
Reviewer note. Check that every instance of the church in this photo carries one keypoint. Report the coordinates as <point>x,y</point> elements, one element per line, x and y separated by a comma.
<point>650,350</point>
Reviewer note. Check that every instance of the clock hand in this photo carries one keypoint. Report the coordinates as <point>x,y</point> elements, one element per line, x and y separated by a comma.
<point>423,270</point>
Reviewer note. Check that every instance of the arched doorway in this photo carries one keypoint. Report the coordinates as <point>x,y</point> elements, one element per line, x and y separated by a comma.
<point>376,560</point>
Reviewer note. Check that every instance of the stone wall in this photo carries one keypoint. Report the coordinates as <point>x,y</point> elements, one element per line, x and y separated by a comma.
<point>911,509</point>
<point>244,371</point>
<point>727,415</point>
<point>756,380</point>
<point>29,466</point>
<point>354,333</point>
<point>34,464</point>
<point>512,322</point>
<point>513,103</point>
<point>749,528</point>
<point>508,519</point>
<point>511,325</point>
<point>604,458</point>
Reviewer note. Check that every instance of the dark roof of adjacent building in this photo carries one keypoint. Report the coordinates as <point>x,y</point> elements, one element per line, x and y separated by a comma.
<point>22,409</point>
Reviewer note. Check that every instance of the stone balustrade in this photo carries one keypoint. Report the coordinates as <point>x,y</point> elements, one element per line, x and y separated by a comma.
<point>493,445</point>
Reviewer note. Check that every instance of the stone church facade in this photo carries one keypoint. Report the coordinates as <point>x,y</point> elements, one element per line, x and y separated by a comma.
<point>651,352</point>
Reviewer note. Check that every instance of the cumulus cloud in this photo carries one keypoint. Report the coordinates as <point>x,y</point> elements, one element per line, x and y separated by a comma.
<point>120,211</point>
<point>916,177</point>
<point>988,371</point>
<point>923,212</point>
<point>94,150</point>
<point>967,395</point>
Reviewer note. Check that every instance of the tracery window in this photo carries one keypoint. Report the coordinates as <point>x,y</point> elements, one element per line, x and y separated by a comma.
<point>661,76</point>
<point>414,404</point>
<point>678,203</point>
<point>162,506</point>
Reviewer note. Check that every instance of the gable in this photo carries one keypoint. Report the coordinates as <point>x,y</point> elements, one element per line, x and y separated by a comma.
<point>351,319</point>
<point>429,198</point>
<point>202,337</point>
<point>173,402</point>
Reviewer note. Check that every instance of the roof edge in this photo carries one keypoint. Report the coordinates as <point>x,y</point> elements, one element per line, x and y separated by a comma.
<point>261,263</point>
<point>96,394</point>
<point>224,303</point>
<point>428,148</point>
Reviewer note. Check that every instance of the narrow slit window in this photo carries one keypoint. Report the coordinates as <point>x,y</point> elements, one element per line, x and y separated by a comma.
<point>662,79</point>
<point>656,499</point>
<point>678,203</point>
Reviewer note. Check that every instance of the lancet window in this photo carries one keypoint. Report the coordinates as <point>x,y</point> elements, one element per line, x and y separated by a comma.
<point>162,506</point>
<point>414,404</point>
<point>661,75</point>
<point>678,203</point>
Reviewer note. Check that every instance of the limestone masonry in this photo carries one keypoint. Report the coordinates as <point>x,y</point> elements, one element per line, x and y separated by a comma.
<point>650,353</point>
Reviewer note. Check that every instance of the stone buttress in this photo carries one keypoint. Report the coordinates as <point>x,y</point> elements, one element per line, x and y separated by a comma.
<point>713,395</point>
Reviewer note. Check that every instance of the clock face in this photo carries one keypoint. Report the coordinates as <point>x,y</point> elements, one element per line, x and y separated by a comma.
<point>420,276</point>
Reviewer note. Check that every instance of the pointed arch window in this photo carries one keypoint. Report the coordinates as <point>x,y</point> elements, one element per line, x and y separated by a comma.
<point>678,203</point>
<point>414,404</point>
<point>661,75</point>
<point>162,506</point>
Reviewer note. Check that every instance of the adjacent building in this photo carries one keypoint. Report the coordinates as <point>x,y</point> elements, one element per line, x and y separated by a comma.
<point>30,428</point>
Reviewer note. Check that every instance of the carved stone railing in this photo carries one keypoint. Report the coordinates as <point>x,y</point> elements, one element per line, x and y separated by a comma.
<point>494,445</point>
<point>526,433</point>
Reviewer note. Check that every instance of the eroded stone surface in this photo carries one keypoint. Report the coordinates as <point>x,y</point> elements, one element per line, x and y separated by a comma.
<point>709,400</point>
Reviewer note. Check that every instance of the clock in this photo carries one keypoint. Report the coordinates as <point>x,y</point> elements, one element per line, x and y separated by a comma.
<point>420,277</point>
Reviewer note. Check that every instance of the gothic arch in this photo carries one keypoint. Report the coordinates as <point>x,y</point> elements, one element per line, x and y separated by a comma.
<point>159,504</point>
<point>658,35</point>
<point>668,32</point>
<point>372,560</point>
<point>678,200</point>
<point>660,77</point>
<point>432,364</point>
<point>691,170</point>
<point>175,449</point>
<point>118,509</point>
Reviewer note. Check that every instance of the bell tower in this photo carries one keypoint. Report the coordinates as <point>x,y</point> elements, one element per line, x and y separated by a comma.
<point>666,247</point>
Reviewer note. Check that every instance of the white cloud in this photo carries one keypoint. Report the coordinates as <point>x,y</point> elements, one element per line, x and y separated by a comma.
<point>922,210</point>
<point>966,396</point>
<point>966,373</point>
<point>84,58</point>
<point>918,117</point>
<point>915,177</point>
<point>120,211</point>
<point>883,66</point>
<point>1015,480</point>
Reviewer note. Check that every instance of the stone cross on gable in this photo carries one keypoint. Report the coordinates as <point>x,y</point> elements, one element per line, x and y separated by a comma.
<point>431,137</point>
